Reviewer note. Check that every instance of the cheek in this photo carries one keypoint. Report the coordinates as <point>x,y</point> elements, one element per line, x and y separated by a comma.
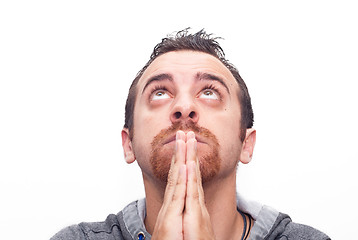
<point>150,117</point>
<point>146,126</point>
<point>230,146</point>
<point>227,131</point>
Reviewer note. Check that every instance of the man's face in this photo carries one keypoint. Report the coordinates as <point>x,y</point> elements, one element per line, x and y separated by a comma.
<point>189,91</point>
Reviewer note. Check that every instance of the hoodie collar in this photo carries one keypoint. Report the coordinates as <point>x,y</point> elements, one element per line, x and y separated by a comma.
<point>264,217</point>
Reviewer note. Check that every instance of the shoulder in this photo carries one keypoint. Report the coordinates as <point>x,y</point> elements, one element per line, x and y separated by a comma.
<point>287,230</point>
<point>73,232</point>
<point>107,230</point>
<point>302,232</point>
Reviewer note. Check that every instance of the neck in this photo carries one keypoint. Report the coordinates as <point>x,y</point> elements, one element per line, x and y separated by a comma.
<point>220,200</point>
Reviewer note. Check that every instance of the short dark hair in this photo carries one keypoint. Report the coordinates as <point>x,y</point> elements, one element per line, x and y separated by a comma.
<point>200,42</point>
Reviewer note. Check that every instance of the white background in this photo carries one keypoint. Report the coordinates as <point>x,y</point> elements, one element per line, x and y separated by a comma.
<point>65,69</point>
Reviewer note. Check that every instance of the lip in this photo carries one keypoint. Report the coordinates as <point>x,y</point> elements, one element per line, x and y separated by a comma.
<point>198,138</point>
<point>170,139</point>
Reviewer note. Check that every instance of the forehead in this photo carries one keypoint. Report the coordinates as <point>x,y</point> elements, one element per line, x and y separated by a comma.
<point>187,63</point>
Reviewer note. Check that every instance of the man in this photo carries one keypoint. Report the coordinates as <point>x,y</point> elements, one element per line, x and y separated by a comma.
<point>188,123</point>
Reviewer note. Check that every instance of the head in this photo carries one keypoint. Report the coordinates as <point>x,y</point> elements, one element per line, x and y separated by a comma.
<point>200,42</point>
<point>187,48</point>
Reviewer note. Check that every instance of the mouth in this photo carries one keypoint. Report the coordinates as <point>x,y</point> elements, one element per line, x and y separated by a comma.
<point>172,139</point>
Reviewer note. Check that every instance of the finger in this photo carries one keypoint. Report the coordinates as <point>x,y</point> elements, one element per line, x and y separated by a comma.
<point>180,135</point>
<point>178,159</point>
<point>169,223</point>
<point>190,135</point>
<point>191,146</point>
<point>193,174</point>
<point>180,149</point>
<point>199,183</point>
<point>192,156</point>
<point>192,194</point>
<point>177,203</point>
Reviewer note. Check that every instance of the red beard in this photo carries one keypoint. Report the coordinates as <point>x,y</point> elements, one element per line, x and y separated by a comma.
<point>162,152</point>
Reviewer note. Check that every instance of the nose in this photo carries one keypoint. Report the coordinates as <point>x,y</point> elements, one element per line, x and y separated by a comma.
<point>184,111</point>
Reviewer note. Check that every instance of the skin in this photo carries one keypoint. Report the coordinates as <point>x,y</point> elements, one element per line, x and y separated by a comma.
<point>184,207</point>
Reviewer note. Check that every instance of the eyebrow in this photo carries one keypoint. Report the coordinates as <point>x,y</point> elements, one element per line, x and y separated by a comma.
<point>199,76</point>
<point>158,78</point>
<point>212,77</point>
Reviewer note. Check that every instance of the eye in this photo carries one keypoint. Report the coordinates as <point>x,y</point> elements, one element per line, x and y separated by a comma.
<point>160,94</point>
<point>209,94</point>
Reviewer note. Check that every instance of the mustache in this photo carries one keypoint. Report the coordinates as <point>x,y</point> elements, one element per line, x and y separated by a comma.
<point>164,134</point>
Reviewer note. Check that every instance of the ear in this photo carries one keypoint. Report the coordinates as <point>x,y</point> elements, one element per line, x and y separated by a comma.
<point>248,146</point>
<point>127,146</point>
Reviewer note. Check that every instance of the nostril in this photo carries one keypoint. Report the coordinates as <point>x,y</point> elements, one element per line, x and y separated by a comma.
<point>177,115</point>
<point>192,115</point>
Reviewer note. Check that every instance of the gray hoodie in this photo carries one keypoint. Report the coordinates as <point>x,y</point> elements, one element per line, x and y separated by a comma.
<point>269,224</point>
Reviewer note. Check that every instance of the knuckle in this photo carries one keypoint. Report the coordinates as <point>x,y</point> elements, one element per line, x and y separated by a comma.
<point>177,197</point>
<point>195,196</point>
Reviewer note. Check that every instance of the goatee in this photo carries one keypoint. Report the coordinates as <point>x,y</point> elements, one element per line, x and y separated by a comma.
<point>162,152</point>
